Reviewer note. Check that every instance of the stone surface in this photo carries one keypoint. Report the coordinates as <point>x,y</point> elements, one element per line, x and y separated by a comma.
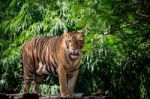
<point>36,96</point>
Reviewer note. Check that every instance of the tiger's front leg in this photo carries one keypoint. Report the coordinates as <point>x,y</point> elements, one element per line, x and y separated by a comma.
<point>37,81</point>
<point>27,78</point>
<point>62,75</point>
<point>26,84</point>
<point>72,82</point>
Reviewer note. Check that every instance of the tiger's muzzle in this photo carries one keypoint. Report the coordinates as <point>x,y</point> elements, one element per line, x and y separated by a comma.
<point>74,53</point>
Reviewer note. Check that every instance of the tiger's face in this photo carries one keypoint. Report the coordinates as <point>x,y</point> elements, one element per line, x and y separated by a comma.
<point>74,42</point>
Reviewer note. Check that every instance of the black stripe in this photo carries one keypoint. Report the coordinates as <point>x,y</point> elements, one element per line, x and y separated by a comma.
<point>52,68</point>
<point>49,70</point>
<point>55,64</point>
<point>77,65</point>
<point>36,40</point>
<point>72,70</point>
<point>67,59</point>
<point>67,44</point>
<point>42,41</point>
<point>75,69</point>
<point>54,71</point>
<point>33,62</point>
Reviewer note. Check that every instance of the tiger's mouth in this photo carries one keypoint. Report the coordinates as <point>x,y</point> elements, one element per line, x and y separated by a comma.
<point>74,55</point>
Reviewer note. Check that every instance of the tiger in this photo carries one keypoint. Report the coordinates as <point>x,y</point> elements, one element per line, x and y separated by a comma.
<point>60,55</point>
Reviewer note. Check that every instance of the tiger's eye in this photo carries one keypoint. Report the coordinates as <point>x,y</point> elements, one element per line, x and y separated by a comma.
<point>69,40</point>
<point>81,43</point>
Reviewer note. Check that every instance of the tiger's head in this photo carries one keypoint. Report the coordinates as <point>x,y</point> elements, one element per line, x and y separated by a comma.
<point>73,42</point>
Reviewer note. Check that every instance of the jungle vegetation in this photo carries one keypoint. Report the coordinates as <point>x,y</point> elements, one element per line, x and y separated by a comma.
<point>117,43</point>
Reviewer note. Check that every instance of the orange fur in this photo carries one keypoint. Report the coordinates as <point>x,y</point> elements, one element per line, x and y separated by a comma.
<point>59,55</point>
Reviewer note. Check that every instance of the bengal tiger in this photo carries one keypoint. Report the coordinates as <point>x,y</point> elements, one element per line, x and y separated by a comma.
<point>52,54</point>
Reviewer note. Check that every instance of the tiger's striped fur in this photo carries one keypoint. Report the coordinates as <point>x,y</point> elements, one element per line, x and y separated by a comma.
<point>59,55</point>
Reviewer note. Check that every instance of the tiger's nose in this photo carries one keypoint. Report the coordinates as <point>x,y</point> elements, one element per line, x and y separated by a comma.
<point>74,51</point>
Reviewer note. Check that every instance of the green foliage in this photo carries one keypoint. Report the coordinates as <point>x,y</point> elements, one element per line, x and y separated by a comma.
<point>117,42</point>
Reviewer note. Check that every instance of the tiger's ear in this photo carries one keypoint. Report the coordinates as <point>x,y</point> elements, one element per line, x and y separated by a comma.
<point>65,34</point>
<point>85,31</point>
<point>65,31</point>
<point>82,34</point>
